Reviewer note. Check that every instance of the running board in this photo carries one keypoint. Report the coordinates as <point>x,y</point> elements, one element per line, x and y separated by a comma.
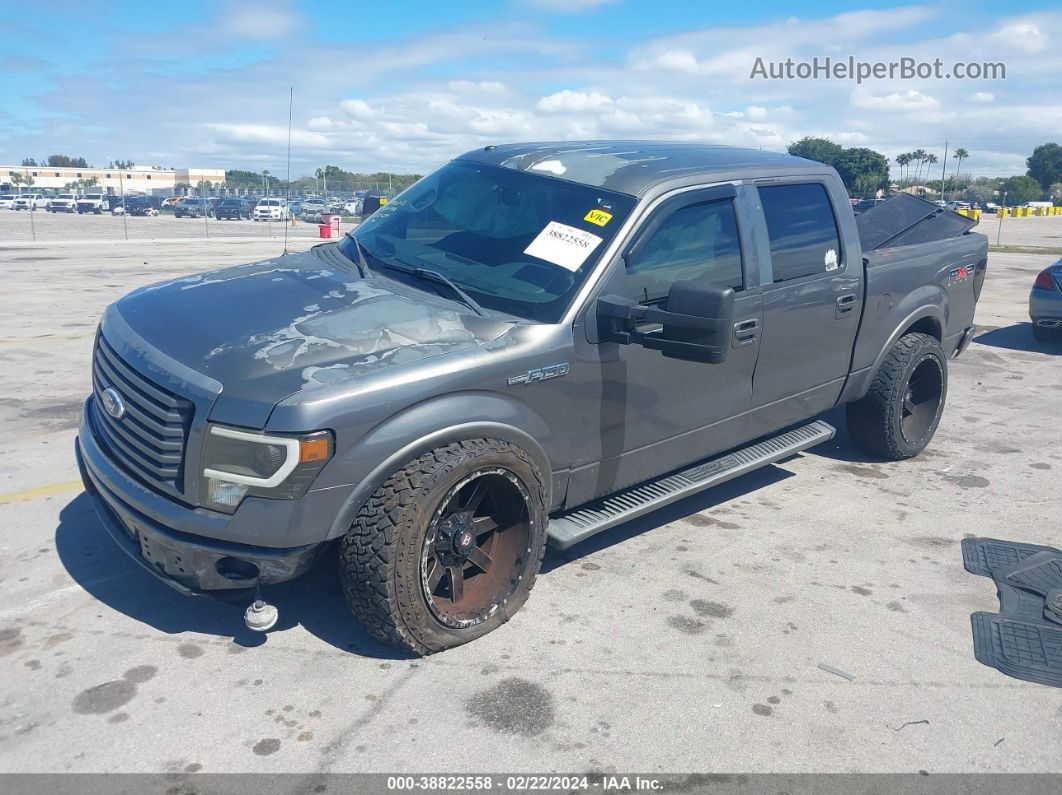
<point>569,529</point>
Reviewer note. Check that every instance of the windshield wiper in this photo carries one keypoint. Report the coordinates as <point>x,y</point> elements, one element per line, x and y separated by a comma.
<point>428,275</point>
<point>363,265</point>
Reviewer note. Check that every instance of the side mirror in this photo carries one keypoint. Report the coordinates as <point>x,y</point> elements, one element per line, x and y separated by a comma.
<point>696,325</point>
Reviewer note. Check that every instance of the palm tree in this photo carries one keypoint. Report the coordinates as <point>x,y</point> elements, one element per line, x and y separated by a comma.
<point>919,155</point>
<point>960,155</point>
<point>903,161</point>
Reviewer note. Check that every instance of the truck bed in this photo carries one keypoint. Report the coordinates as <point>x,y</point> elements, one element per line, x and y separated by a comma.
<point>948,275</point>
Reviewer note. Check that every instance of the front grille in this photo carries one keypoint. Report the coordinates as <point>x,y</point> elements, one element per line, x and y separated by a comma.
<point>148,442</point>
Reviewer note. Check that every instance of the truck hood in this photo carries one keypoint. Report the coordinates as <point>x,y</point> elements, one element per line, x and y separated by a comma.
<point>275,327</point>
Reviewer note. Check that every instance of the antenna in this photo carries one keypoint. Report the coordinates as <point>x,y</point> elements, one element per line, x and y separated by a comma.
<point>287,192</point>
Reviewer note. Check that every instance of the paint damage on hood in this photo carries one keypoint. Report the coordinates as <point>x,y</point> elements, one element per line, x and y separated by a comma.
<point>276,327</point>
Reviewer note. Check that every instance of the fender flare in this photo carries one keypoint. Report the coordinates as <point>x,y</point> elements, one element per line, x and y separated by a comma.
<point>360,492</point>
<point>932,312</point>
<point>859,383</point>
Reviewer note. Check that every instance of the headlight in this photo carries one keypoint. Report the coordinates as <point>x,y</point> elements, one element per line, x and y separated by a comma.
<point>238,463</point>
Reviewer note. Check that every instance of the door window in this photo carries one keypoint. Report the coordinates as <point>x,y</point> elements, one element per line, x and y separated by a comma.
<point>696,242</point>
<point>802,230</point>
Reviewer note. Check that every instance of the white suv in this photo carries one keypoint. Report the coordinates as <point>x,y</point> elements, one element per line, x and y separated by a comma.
<point>7,199</point>
<point>272,210</point>
<point>63,203</point>
<point>27,201</point>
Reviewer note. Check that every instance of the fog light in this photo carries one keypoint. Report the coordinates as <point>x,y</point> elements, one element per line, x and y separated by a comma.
<point>221,492</point>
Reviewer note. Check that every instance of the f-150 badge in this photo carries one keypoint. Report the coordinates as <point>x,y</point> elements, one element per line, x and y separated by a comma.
<point>540,374</point>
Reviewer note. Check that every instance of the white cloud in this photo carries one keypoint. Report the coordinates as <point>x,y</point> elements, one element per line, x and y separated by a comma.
<point>909,101</point>
<point>261,24</point>
<point>477,87</point>
<point>982,96</point>
<point>567,101</point>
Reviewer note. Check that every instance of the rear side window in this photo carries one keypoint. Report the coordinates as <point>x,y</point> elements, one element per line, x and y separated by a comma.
<point>802,230</point>
<point>696,242</point>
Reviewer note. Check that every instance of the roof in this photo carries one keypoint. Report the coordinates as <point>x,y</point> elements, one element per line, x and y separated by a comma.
<point>631,166</point>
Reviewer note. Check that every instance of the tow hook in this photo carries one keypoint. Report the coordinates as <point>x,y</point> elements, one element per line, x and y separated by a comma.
<point>260,616</point>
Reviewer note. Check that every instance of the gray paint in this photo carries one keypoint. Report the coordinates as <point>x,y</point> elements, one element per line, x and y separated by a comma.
<point>301,343</point>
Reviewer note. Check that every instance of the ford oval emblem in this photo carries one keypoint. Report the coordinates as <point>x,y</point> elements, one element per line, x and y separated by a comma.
<point>113,403</point>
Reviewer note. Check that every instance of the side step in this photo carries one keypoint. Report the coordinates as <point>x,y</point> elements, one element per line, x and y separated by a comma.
<point>569,529</point>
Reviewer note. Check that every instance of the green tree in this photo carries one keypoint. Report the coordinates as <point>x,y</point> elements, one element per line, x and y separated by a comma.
<point>821,149</point>
<point>862,170</point>
<point>1045,164</point>
<point>28,161</point>
<point>62,161</point>
<point>1021,189</point>
<point>960,155</point>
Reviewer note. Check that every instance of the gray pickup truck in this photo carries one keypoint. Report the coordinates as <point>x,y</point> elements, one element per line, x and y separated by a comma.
<point>534,343</point>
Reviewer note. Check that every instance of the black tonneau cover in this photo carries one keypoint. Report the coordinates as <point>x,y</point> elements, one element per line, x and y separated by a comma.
<point>905,220</point>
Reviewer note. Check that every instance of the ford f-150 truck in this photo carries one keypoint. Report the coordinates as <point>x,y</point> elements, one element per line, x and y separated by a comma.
<point>532,344</point>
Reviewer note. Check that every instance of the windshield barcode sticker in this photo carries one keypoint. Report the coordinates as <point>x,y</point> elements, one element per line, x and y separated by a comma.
<point>563,245</point>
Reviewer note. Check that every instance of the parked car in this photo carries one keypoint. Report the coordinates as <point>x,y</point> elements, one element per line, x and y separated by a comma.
<point>352,207</point>
<point>62,203</point>
<point>142,205</point>
<point>503,357</point>
<point>313,210</point>
<point>234,209</point>
<point>28,201</point>
<point>271,210</point>
<point>193,207</point>
<point>958,205</point>
<point>7,199</point>
<point>1045,304</point>
<point>295,207</point>
<point>94,203</point>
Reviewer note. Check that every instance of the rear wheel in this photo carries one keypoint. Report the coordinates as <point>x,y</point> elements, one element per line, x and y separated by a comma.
<point>448,548</point>
<point>901,410</point>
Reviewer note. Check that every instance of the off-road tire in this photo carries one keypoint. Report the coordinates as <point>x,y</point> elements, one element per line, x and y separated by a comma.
<point>874,420</point>
<point>380,556</point>
<point>1042,334</point>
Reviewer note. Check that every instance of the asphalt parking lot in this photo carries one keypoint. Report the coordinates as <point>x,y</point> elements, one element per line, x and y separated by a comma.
<point>686,641</point>
<point>41,226</point>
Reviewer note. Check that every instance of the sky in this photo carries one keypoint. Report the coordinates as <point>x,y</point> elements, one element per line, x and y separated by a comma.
<point>405,86</point>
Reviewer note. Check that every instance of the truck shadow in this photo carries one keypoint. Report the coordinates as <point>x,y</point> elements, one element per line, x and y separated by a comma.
<point>314,601</point>
<point>1018,337</point>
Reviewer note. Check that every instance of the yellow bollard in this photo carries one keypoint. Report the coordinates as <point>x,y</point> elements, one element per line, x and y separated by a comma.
<point>1001,212</point>
<point>976,213</point>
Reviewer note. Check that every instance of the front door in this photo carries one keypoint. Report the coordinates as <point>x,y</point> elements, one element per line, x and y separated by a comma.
<point>657,413</point>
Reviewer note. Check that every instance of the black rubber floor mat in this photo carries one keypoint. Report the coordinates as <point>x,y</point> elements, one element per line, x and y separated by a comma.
<point>983,556</point>
<point>1022,649</point>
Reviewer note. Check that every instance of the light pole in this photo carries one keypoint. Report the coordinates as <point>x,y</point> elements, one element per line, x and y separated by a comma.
<point>1001,213</point>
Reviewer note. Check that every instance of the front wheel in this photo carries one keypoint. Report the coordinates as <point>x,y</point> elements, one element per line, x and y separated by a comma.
<point>901,410</point>
<point>448,548</point>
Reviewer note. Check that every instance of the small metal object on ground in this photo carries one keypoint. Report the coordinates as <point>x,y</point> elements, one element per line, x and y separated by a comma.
<point>260,616</point>
<point>836,671</point>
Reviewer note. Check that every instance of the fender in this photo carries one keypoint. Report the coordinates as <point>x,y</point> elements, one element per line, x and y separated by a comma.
<point>403,438</point>
<point>933,316</point>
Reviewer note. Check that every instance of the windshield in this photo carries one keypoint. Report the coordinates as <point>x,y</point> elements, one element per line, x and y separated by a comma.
<point>519,243</point>
<point>269,203</point>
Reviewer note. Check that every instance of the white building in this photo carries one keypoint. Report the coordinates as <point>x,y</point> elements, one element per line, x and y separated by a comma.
<point>136,179</point>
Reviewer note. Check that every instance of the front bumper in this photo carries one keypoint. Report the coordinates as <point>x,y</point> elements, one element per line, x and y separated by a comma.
<point>190,564</point>
<point>193,549</point>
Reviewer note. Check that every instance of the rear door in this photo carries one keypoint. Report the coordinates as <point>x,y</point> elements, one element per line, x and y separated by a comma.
<point>812,301</point>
